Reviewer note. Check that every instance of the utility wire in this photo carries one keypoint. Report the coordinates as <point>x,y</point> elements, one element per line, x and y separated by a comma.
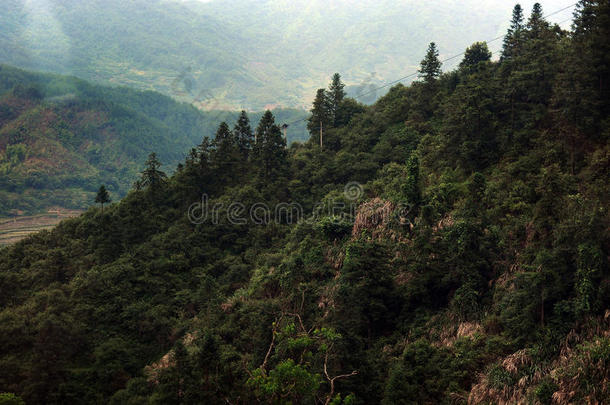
<point>458,55</point>
<point>443,61</point>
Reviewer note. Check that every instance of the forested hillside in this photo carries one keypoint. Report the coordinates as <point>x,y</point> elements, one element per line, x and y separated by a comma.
<point>453,249</point>
<point>61,137</point>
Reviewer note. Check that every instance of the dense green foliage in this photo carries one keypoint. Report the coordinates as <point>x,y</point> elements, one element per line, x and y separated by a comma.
<point>475,267</point>
<point>60,137</point>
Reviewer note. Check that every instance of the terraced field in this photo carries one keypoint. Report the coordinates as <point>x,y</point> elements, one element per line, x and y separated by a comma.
<point>16,228</point>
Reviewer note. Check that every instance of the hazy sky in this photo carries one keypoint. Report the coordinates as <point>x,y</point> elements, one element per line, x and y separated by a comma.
<point>549,5</point>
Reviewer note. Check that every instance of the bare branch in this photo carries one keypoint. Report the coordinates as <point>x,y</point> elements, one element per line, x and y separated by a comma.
<point>300,322</point>
<point>263,366</point>
<point>331,380</point>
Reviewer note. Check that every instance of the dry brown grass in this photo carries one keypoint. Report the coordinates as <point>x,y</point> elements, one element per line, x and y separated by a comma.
<point>580,375</point>
<point>376,217</point>
<point>485,392</point>
<point>403,278</point>
<point>153,371</point>
<point>445,222</point>
<point>449,334</point>
<point>577,365</point>
<point>334,257</point>
<point>445,328</point>
<point>469,329</point>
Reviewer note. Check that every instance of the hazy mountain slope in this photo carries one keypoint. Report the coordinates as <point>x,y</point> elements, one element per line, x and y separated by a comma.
<point>61,137</point>
<point>143,43</point>
<point>242,53</point>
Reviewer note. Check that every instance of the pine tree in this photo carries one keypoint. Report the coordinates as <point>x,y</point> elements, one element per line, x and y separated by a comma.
<point>320,113</point>
<point>430,67</point>
<point>336,94</point>
<point>223,142</point>
<point>152,177</point>
<point>102,196</point>
<point>585,16</point>
<point>196,177</point>
<point>203,152</point>
<point>270,148</point>
<point>242,132</point>
<point>474,55</point>
<point>536,22</point>
<point>514,36</point>
<point>191,159</point>
<point>580,94</point>
<point>539,60</point>
<point>226,157</point>
<point>348,108</point>
<point>529,64</point>
<point>592,52</point>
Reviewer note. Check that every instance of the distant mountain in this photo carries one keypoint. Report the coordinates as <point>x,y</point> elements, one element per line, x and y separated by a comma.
<point>243,53</point>
<point>61,137</point>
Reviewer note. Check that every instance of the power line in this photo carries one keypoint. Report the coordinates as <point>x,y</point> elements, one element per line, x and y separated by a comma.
<point>558,23</point>
<point>457,55</point>
<point>444,61</point>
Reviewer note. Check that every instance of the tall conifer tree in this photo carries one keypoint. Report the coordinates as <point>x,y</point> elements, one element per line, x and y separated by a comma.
<point>514,36</point>
<point>152,177</point>
<point>102,196</point>
<point>270,148</point>
<point>430,67</point>
<point>320,113</point>
<point>336,94</point>
<point>244,138</point>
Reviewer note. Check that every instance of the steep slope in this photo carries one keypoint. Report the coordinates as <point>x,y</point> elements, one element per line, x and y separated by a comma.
<point>448,244</point>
